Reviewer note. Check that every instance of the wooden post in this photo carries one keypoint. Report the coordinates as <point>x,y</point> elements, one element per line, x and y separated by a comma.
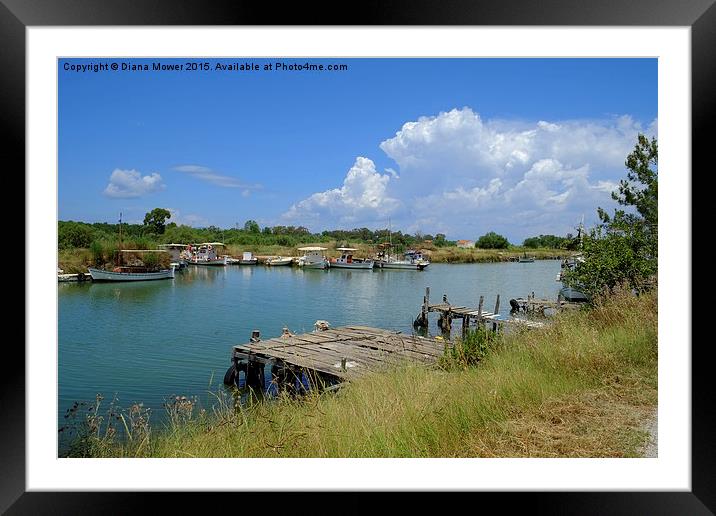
<point>255,336</point>
<point>343,365</point>
<point>480,321</point>
<point>497,305</point>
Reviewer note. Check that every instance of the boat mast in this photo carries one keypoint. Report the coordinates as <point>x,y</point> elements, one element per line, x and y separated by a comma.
<point>119,252</point>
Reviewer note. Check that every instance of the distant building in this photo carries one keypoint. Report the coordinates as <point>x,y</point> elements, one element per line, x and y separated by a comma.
<point>465,243</point>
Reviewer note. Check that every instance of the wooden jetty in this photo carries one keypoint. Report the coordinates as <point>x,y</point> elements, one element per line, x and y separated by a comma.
<point>487,319</point>
<point>530,304</point>
<point>479,316</point>
<point>334,354</point>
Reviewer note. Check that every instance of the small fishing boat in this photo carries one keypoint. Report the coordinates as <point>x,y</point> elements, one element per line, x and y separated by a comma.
<point>248,259</point>
<point>205,254</point>
<point>413,261</point>
<point>132,272</point>
<point>177,255</point>
<point>313,258</point>
<point>279,260</point>
<point>230,260</point>
<point>526,259</point>
<point>346,261</point>
<point>135,269</point>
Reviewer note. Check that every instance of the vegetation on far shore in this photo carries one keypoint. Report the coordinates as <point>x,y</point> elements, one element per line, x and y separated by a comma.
<point>78,259</point>
<point>582,387</point>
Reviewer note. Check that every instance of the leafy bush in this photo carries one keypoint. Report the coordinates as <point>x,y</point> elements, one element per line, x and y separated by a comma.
<point>492,240</point>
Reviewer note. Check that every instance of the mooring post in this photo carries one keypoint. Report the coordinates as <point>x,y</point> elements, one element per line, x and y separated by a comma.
<point>255,336</point>
<point>497,304</point>
<point>479,311</point>
<point>343,365</point>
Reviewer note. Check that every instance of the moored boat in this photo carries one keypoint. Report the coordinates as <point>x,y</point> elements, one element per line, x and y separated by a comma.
<point>413,260</point>
<point>346,261</point>
<point>279,260</point>
<point>248,259</point>
<point>177,254</point>
<point>130,274</point>
<point>135,269</point>
<point>313,258</point>
<point>206,254</point>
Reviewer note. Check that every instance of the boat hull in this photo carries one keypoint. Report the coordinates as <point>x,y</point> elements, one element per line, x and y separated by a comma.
<point>253,261</point>
<point>100,275</point>
<point>210,263</point>
<point>278,263</point>
<point>352,265</point>
<point>314,265</point>
<point>407,266</point>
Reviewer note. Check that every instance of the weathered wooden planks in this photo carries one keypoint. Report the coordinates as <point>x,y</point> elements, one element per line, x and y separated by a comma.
<point>345,352</point>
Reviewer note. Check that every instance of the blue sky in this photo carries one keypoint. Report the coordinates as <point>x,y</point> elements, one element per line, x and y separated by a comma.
<point>459,146</point>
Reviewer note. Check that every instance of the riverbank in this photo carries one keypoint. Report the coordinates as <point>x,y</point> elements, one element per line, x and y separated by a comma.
<point>72,261</point>
<point>582,387</point>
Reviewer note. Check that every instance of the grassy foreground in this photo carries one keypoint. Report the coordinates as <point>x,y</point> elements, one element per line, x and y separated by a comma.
<point>580,388</point>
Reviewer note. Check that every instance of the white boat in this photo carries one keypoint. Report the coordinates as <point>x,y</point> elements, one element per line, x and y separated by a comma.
<point>137,271</point>
<point>130,274</point>
<point>177,253</point>
<point>248,259</point>
<point>205,254</point>
<point>313,258</point>
<point>346,261</point>
<point>279,260</point>
<point>232,261</point>
<point>414,261</point>
<point>526,259</point>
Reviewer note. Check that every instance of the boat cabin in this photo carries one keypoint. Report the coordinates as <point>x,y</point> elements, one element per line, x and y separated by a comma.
<point>346,254</point>
<point>312,254</point>
<point>413,255</point>
<point>174,250</point>
<point>208,251</point>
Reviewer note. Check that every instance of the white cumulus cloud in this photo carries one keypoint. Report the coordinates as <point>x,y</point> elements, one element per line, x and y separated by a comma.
<point>362,198</point>
<point>124,184</point>
<point>463,175</point>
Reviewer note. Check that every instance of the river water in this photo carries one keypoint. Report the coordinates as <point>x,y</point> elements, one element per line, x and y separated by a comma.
<point>146,341</point>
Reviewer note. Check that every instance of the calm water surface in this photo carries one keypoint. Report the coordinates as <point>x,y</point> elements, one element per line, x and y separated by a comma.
<point>146,341</point>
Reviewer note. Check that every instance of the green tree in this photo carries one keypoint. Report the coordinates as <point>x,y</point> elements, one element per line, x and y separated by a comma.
<point>641,187</point>
<point>252,227</point>
<point>73,234</point>
<point>622,250</point>
<point>492,240</point>
<point>155,219</point>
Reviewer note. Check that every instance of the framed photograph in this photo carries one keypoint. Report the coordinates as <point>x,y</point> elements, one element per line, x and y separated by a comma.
<point>418,253</point>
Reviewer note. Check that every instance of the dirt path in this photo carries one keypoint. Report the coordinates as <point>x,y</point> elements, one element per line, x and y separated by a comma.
<point>651,426</point>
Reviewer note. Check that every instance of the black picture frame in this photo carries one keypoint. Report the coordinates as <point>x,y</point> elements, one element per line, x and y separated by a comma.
<point>16,15</point>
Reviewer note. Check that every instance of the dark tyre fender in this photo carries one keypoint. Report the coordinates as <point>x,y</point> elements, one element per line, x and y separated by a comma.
<point>231,375</point>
